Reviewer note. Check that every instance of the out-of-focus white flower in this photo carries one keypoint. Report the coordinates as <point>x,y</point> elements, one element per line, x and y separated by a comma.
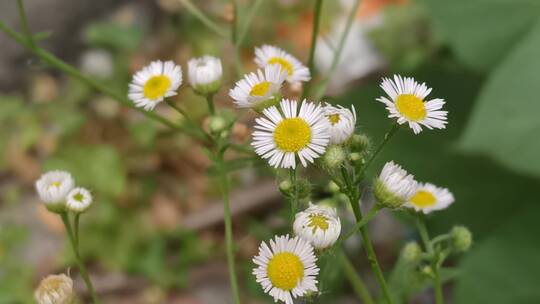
<point>53,187</point>
<point>55,289</point>
<point>287,268</point>
<point>259,90</point>
<point>394,186</point>
<point>78,200</point>
<point>319,225</point>
<point>281,136</point>
<point>154,83</point>
<point>342,123</point>
<point>268,55</point>
<point>428,198</point>
<point>205,74</point>
<point>97,62</point>
<point>407,104</point>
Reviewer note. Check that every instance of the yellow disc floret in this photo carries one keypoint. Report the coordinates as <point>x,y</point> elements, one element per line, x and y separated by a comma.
<point>285,270</point>
<point>156,87</point>
<point>410,106</point>
<point>423,199</point>
<point>260,89</point>
<point>292,134</point>
<point>333,118</point>
<point>285,64</point>
<point>318,221</point>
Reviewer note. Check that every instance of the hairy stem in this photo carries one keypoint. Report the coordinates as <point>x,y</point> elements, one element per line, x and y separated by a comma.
<point>379,148</point>
<point>355,280</point>
<point>435,265</point>
<point>249,18</point>
<point>203,18</point>
<point>314,35</point>
<point>235,41</point>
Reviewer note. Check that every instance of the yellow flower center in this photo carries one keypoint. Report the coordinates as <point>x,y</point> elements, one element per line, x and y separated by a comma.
<point>333,118</point>
<point>423,199</point>
<point>292,134</point>
<point>285,270</point>
<point>156,87</point>
<point>318,221</point>
<point>56,184</point>
<point>285,65</point>
<point>411,107</point>
<point>78,197</point>
<point>260,89</point>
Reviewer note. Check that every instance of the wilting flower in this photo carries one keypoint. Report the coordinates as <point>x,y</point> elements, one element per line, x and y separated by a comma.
<point>407,103</point>
<point>154,83</point>
<point>55,289</point>
<point>78,200</point>
<point>295,131</point>
<point>342,123</point>
<point>53,187</point>
<point>319,225</point>
<point>286,269</point>
<point>394,186</point>
<point>270,55</point>
<point>204,74</point>
<point>259,90</point>
<point>428,198</point>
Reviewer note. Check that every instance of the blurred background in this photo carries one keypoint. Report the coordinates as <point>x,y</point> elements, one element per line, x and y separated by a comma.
<point>155,235</point>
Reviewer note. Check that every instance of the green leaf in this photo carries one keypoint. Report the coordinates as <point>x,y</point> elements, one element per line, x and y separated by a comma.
<point>505,122</point>
<point>504,268</point>
<point>481,32</point>
<point>99,168</point>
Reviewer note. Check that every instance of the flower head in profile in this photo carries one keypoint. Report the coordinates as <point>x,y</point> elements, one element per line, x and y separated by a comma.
<point>53,187</point>
<point>286,269</point>
<point>78,200</point>
<point>408,104</point>
<point>428,198</point>
<point>154,83</point>
<point>55,289</point>
<point>319,225</point>
<point>271,55</point>
<point>342,123</point>
<point>259,90</point>
<point>204,74</point>
<point>394,186</point>
<point>295,131</point>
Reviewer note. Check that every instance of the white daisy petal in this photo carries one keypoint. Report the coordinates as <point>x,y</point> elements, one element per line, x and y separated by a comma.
<point>53,187</point>
<point>428,198</point>
<point>271,55</point>
<point>342,123</point>
<point>318,225</point>
<point>257,88</point>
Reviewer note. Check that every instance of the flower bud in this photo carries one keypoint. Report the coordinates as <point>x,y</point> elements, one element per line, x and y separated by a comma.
<point>360,143</point>
<point>205,74</point>
<point>334,157</point>
<point>55,289</point>
<point>304,188</point>
<point>217,124</point>
<point>411,253</point>
<point>285,187</point>
<point>78,200</point>
<point>461,238</point>
<point>394,186</point>
<point>53,187</point>
<point>427,270</point>
<point>333,187</point>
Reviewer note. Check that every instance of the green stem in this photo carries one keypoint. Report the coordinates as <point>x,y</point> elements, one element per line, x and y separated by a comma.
<point>76,228</point>
<point>203,18</point>
<point>439,298</point>
<point>235,41</point>
<point>80,264</point>
<point>249,18</point>
<point>350,19</point>
<point>365,220</point>
<point>196,129</point>
<point>379,148</point>
<point>314,35</point>
<point>229,242</point>
<point>435,265</point>
<point>355,280</point>
<point>294,198</point>
<point>210,102</point>
<point>24,21</point>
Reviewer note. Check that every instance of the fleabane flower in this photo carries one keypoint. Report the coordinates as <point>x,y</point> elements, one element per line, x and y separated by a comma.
<point>394,186</point>
<point>286,269</point>
<point>319,225</point>
<point>78,200</point>
<point>408,104</point>
<point>55,289</point>
<point>154,83</point>
<point>204,74</point>
<point>271,55</point>
<point>53,187</point>
<point>259,90</point>
<point>281,136</point>
<point>342,123</point>
<point>428,198</point>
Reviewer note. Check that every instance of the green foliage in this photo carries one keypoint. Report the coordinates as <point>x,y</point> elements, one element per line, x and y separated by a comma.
<point>97,167</point>
<point>15,278</point>
<point>114,36</point>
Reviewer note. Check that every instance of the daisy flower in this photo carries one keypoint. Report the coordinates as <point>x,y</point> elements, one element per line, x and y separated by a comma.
<point>286,269</point>
<point>342,123</point>
<point>204,74</point>
<point>53,187</point>
<point>394,186</point>
<point>154,83</point>
<point>428,198</point>
<point>78,200</point>
<point>271,55</point>
<point>292,131</point>
<point>55,289</point>
<point>407,103</point>
<point>318,225</point>
<point>259,89</point>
